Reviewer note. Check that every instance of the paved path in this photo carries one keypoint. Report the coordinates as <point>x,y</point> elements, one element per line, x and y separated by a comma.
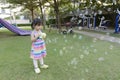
<point>100,36</point>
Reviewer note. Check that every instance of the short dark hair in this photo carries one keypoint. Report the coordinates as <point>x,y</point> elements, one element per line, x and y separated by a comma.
<point>35,22</point>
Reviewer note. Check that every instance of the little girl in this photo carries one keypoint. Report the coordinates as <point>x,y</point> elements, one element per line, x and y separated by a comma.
<point>38,49</point>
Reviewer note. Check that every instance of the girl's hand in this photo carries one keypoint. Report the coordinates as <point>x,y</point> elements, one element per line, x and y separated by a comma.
<point>34,37</point>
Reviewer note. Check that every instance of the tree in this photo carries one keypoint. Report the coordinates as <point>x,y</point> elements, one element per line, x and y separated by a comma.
<point>57,5</point>
<point>31,5</point>
<point>28,4</point>
<point>41,6</point>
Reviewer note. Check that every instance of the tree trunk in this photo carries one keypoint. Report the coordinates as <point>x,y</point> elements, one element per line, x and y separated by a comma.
<point>58,21</point>
<point>57,15</point>
<point>32,18</point>
<point>32,13</point>
<point>42,14</point>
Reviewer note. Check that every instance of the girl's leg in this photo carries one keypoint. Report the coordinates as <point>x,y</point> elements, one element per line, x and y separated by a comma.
<point>35,63</point>
<point>42,63</point>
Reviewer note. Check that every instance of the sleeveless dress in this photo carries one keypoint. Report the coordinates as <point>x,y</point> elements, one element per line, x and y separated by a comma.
<point>38,48</point>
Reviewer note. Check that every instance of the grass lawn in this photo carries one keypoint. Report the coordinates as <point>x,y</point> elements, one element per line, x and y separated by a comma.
<point>70,57</point>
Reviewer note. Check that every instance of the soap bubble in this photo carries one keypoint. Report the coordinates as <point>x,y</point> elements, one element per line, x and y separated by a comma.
<point>74,61</point>
<point>95,50</point>
<point>55,40</point>
<point>64,36</point>
<point>107,33</point>
<point>111,47</point>
<point>82,79</point>
<point>119,41</point>
<point>106,53</point>
<point>71,47</point>
<point>55,49</point>
<point>100,12</point>
<point>74,36</point>
<point>61,52</point>
<point>91,46</point>
<point>66,40</point>
<point>112,39</point>
<point>64,48</point>
<point>94,39</point>
<point>101,59</point>
<point>83,47</point>
<point>86,70</point>
<point>80,37</point>
<point>81,56</point>
<point>86,52</point>
<point>49,41</point>
<point>102,38</point>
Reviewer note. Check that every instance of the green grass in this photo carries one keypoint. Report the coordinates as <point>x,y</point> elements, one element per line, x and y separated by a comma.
<point>70,57</point>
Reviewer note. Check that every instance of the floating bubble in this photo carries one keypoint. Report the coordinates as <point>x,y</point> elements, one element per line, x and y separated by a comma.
<point>80,28</point>
<point>74,36</point>
<point>82,79</point>
<point>64,48</point>
<point>94,39</point>
<point>111,47</point>
<point>109,9</point>
<point>61,52</point>
<point>83,47</point>
<point>111,40</point>
<point>71,47</point>
<point>86,70</point>
<point>55,40</point>
<point>91,46</point>
<point>101,59</point>
<point>74,61</point>
<point>64,36</point>
<point>99,12</point>
<point>95,50</point>
<point>119,41</point>
<point>70,78</point>
<point>81,56</point>
<point>55,49</point>
<point>66,40</point>
<point>80,37</point>
<point>106,53</point>
<point>107,33</point>
<point>86,52</point>
<point>49,41</point>
<point>102,38</point>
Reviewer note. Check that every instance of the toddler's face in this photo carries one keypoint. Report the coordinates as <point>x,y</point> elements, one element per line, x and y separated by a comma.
<point>38,27</point>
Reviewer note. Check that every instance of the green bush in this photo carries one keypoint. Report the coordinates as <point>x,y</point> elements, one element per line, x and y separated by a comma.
<point>23,24</point>
<point>50,21</point>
